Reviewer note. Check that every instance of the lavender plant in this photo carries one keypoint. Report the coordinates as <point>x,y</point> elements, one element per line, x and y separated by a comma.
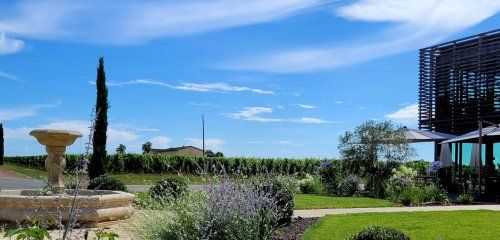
<point>222,209</point>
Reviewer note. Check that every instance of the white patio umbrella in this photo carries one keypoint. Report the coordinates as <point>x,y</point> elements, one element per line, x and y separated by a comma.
<point>474,157</point>
<point>445,155</point>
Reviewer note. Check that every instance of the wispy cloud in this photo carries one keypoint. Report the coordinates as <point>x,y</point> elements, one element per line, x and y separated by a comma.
<point>160,142</point>
<point>407,115</point>
<point>255,114</point>
<point>22,112</point>
<point>8,75</point>
<point>214,144</point>
<point>197,87</point>
<point>129,22</point>
<point>306,106</point>
<point>416,23</point>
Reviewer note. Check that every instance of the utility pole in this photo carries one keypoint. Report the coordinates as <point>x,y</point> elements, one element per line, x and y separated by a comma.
<point>203,130</point>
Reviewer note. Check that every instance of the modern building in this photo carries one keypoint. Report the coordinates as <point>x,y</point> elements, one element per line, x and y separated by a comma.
<point>459,94</point>
<point>184,150</point>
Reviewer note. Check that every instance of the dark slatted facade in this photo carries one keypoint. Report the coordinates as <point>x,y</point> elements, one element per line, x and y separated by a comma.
<point>460,84</point>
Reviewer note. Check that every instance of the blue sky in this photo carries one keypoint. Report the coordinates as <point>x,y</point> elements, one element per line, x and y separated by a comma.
<point>281,78</point>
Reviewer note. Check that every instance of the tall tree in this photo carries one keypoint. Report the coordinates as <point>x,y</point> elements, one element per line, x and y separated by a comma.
<point>146,147</point>
<point>96,165</point>
<point>121,149</point>
<point>1,144</point>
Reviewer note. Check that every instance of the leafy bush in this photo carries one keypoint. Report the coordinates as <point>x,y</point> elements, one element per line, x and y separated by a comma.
<point>168,188</point>
<point>400,181</point>
<point>435,193</point>
<point>107,183</point>
<point>420,166</point>
<point>465,199</point>
<point>222,210</point>
<point>331,173</point>
<point>310,185</point>
<point>349,186</point>
<point>377,177</point>
<point>379,233</point>
<point>115,163</point>
<point>281,189</point>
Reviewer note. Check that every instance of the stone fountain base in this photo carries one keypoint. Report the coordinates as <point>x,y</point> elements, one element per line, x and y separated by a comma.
<point>94,206</point>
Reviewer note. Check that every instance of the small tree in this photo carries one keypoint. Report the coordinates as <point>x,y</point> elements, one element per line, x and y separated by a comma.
<point>96,165</point>
<point>146,147</point>
<point>1,144</point>
<point>371,142</point>
<point>121,149</point>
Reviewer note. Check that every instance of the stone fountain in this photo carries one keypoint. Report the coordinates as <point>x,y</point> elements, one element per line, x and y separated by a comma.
<point>93,205</point>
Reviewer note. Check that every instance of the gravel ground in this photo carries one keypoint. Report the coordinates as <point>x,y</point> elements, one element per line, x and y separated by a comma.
<point>294,230</point>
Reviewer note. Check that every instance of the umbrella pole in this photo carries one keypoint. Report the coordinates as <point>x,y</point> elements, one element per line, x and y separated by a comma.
<point>480,153</point>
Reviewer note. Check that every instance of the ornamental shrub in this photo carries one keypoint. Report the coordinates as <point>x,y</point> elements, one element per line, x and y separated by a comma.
<point>400,181</point>
<point>379,233</point>
<point>420,166</point>
<point>464,199</point>
<point>168,189</point>
<point>331,174</point>
<point>310,185</point>
<point>107,183</point>
<point>281,189</point>
<point>435,194</point>
<point>349,186</point>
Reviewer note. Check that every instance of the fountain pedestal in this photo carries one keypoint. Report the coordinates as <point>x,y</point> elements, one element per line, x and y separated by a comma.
<point>55,142</point>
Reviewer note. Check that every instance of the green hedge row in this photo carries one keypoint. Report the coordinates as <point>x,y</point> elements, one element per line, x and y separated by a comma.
<point>158,163</point>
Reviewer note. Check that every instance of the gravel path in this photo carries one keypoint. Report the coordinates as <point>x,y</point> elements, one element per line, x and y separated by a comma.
<point>5,174</point>
<point>314,213</point>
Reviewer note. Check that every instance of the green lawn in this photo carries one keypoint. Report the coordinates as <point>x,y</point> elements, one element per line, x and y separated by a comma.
<point>311,201</point>
<point>417,225</point>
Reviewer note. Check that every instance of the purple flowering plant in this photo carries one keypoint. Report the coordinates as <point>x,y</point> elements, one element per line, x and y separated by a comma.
<point>435,166</point>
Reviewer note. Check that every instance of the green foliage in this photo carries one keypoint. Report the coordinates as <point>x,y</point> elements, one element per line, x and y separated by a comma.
<point>102,235</point>
<point>434,193</point>
<point>349,186</point>
<point>464,199</point>
<point>1,144</point>
<point>371,142</point>
<point>107,183</point>
<point>210,153</point>
<point>400,181</point>
<point>310,185</point>
<point>331,173</point>
<point>121,149</point>
<point>96,165</point>
<point>162,163</point>
<point>146,147</point>
<point>416,195</point>
<point>281,189</point>
<point>37,231</point>
<point>421,166</point>
<point>379,233</point>
<point>168,189</point>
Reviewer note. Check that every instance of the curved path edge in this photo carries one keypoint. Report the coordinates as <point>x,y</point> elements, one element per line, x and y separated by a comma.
<point>313,213</point>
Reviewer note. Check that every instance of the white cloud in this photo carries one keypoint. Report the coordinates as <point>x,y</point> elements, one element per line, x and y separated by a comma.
<point>255,114</point>
<point>408,112</point>
<point>310,120</point>
<point>339,102</point>
<point>115,136</point>
<point>17,133</point>
<point>160,142</point>
<point>197,87</point>
<point>289,143</point>
<point>416,24</point>
<point>306,106</point>
<point>125,22</point>
<point>29,111</point>
<point>8,75</point>
<point>214,144</point>
<point>9,45</point>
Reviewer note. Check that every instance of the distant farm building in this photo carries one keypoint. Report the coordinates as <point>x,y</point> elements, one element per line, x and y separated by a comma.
<point>184,150</point>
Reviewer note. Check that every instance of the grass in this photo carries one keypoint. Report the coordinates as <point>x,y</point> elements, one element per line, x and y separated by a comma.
<point>311,201</point>
<point>27,171</point>
<point>417,225</point>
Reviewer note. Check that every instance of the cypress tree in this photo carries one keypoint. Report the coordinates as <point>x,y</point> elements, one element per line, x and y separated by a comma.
<point>96,165</point>
<point>1,144</point>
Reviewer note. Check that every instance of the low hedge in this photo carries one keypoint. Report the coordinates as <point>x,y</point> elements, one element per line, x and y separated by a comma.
<point>160,163</point>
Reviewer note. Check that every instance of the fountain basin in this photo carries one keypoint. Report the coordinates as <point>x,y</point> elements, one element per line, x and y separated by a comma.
<point>57,138</point>
<point>94,206</point>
